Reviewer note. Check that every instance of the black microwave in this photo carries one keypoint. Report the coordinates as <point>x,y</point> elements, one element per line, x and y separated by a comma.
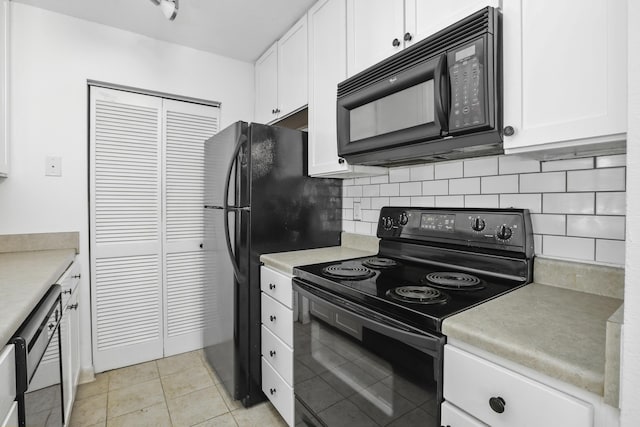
<point>439,99</point>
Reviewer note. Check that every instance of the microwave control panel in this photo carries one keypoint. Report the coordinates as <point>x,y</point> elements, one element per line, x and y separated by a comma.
<point>467,77</point>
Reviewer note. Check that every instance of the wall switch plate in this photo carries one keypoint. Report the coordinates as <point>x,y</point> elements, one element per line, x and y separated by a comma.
<point>53,166</point>
<point>357,212</point>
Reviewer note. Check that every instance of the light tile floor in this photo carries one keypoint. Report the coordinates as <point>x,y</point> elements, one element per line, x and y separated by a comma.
<point>175,391</point>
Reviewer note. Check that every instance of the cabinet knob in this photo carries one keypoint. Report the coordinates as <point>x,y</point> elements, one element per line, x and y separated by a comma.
<point>201,245</point>
<point>272,353</point>
<point>272,286</point>
<point>408,37</point>
<point>67,291</point>
<point>509,131</point>
<point>277,111</point>
<point>77,276</point>
<point>341,161</point>
<point>73,306</point>
<point>273,111</point>
<point>497,404</point>
<point>395,43</point>
<point>272,391</point>
<point>272,318</point>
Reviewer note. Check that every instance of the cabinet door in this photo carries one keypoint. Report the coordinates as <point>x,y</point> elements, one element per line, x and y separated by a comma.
<point>67,359</point>
<point>372,27</point>
<point>426,17</point>
<point>266,72</point>
<point>4,84</point>
<point>292,69</point>
<point>567,82</point>
<point>450,416</point>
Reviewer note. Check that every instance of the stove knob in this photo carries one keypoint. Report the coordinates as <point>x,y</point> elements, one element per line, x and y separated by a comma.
<point>504,232</point>
<point>478,224</point>
<point>403,219</point>
<point>387,223</point>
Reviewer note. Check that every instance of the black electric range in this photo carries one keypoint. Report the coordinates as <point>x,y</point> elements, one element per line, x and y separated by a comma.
<point>433,263</point>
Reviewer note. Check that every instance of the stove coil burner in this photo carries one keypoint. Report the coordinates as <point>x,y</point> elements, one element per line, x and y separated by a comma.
<point>346,272</point>
<point>380,263</point>
<point>453,281</point>
<point>418,295</point>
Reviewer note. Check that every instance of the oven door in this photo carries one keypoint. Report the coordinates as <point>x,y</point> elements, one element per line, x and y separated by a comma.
<point>355,367</point>
<point>407,108</point>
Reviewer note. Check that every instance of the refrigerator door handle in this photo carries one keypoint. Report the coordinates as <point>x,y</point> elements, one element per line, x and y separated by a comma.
<point>242,139</point>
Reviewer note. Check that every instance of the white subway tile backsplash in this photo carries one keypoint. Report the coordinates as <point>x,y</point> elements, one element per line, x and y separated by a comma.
<point>347,214</point>
<point>381,179</point>
<point>370,215</point>
<point>533,202</point>
<point>610,251</point>
<point>399,175</point>
<point>481,167</point>
<point>347,202</point>
<point>363,228</point>
<point>371,190</point>
<point>569,203</point>
<point>435,188</point>
<point>565,165</point>
<point>611,161</point>
<point>423,201</point>
<point>601,227</point>
<point>422,173</point>
<point>546,182</point>
<point>611,179</point>
<point>568,247</point>
<point>464,186</point>
<point>537,244</point>
<point>549,224</point>
<point>450,201</point>
<point>349,181</point>
<point>389,189</point>
<point>362,181</point>
<point>499,184</point>
<point>378,202</point>
<point>348,226</point>
<point>365,203</point>
<point>517,164</point>
<point>411,188</point>
<point>614,203</point>
<point>354,191</point>
<point>448,170</point>
<point>483,201</point>
<point>400,201</point>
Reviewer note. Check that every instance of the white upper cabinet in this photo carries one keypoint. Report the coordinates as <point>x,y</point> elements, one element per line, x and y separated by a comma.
<point>377,29</point>
<point>328,67</point>
<point>4,85</point>
<point>281,76</point>
<point>564,75</point>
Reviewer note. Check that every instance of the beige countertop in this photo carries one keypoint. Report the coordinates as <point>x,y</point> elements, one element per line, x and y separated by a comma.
<point>24,279</point>
<point>353,246</point>
<point>556,330</point>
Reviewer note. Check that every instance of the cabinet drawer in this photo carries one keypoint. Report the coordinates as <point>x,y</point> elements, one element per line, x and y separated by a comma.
<point>470,381</point>
<point>11,420</point>
<point>278,318</point>
<point>7,379</point>
<point>454,417</point>
<point>278,354</point>
<point>278,391</point>
<point>277,286</point>
<point>69,281</point>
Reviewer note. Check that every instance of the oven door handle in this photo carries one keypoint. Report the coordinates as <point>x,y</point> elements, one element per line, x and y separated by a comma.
<point>429,344</point>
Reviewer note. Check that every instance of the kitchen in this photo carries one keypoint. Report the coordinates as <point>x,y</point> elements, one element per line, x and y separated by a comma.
<point>53,55</point>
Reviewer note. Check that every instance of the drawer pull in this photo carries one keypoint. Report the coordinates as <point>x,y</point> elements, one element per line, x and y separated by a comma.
<point>77,276</point>
<point>272,286</point>
<point>272,391</point>
<point>73,306</point>
<point>272,318</point>
<point>67,291</point>
<point>497,404</point>
<point>272,353</point>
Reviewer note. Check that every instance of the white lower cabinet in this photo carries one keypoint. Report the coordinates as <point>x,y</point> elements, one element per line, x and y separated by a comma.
<point>7,384</point>
<point>277,341</point>
<point>500,397</point>
<point>454,417</point>
<point>11,420</point>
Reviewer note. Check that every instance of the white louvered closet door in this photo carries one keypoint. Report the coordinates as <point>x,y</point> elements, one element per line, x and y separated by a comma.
<point>186,127</point>
<point>126,227</point>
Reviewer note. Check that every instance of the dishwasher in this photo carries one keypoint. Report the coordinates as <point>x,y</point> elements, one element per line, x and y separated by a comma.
<point>38,364</point>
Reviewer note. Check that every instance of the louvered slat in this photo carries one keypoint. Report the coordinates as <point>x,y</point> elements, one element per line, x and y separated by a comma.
<point>185,292</point>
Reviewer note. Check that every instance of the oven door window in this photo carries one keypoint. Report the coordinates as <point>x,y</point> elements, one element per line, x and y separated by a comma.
<point>403,109</point>
<point>346,374</point>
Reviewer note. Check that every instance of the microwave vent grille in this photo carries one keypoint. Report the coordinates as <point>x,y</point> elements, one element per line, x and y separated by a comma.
<point>478,24</point>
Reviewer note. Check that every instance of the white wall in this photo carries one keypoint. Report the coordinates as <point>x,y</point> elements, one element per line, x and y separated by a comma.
<point>52,57</point>
<point>630,370</point>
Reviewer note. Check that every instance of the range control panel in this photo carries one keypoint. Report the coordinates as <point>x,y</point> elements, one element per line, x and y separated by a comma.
<point>494,228</point>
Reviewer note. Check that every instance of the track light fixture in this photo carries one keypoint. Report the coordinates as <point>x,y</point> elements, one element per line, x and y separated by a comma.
<point>169,8</point>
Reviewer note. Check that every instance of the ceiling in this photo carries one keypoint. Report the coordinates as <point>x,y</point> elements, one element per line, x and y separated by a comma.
<point>240,29</point>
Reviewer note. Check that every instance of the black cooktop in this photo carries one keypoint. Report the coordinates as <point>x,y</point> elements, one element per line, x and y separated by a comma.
<point>375,288</point>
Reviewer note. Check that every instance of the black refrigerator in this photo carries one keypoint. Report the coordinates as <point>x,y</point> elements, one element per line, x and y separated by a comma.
<point>258,199</point>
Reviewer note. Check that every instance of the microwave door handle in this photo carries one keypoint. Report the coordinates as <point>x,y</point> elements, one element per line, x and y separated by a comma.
<point>441,92</point>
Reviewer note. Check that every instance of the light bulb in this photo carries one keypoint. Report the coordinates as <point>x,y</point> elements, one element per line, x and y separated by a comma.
<point>169,9</point>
